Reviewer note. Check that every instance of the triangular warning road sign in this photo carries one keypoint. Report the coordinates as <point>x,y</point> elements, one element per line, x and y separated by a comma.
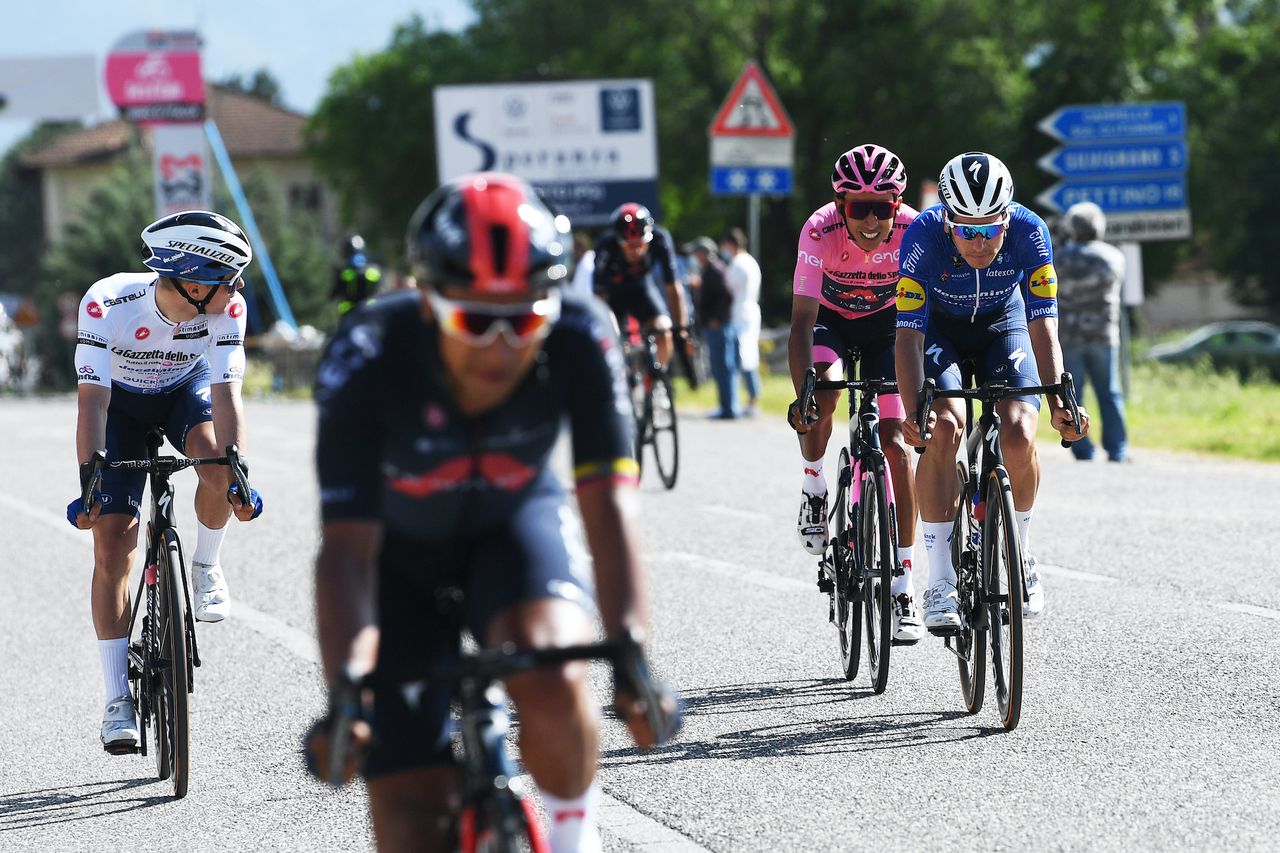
<point>752,108</point>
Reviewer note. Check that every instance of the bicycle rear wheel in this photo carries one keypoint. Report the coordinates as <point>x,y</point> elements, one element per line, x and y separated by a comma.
<point>1002,580</point>
<point>510,827</point>
<point>970,645</point>
<point>846,584</point>
<point>876,562</point>
<point>170,706</point>
<point>665,439</point>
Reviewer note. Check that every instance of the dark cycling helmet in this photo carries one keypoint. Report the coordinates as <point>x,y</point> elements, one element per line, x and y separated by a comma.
<point>491,233</point>
<point>633,224</point>
<point>198,246</point>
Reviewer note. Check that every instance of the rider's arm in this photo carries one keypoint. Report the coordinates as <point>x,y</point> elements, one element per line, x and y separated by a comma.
<point>347,595</point>
<point>228,415</point>
<point>909,364</point>
<point>93,374</point>
<point>91,419</point>
<point>804,313</point>
<point>225,352</point>
<point>675,292</point>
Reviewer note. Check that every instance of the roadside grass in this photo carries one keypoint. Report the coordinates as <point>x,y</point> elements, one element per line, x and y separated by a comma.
<point>1190,409</point>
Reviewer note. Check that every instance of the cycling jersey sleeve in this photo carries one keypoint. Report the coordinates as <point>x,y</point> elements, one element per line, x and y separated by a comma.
<point>349,442</point>
<point>225,349</point>
<point>915,273</point>
<point>600,413</point>
<point>93,358</point>
<point>807,279</point>
<point>1037,263</point>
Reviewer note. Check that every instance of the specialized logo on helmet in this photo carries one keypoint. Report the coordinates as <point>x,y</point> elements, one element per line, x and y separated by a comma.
<point>1044,282</point>
<point>910,295</point>
<point>142,333</point>
<point>974,168</point>
<point>93,309</point>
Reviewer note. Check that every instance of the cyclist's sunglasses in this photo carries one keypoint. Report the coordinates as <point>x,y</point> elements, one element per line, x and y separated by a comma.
<point>973,232</point>
<point>860,209</point>
<point>478,323</point>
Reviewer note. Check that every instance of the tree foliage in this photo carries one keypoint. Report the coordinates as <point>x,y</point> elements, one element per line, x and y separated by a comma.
<point>261,84</point>
<point>929,79</point>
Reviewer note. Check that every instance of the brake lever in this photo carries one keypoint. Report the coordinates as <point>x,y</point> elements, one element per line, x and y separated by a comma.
<point>96,460</point>
<point>239,470</point>
<point>806,396</point>
<point>1073,407</point>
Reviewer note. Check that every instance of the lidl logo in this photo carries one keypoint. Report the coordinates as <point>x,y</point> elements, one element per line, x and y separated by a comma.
<point>1044,282</point>
<point>910,295</point>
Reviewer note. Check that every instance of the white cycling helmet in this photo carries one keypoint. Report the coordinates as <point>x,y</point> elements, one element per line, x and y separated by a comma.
<point>975,184</point>
<point>197,246</point>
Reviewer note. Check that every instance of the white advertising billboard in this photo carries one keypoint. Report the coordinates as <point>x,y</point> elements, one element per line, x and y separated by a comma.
<point>54,87</point>
<point>181,164</point>
<point>587,145</point>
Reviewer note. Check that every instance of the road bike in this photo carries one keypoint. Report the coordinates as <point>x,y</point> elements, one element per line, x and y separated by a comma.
<point>857,568</point>
<point>655,409</point>
<point>496,816</point>
<point>163,658</point>
<point>985,549</point>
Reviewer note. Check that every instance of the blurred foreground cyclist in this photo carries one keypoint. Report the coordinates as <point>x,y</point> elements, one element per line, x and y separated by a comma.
<point>438,413</point>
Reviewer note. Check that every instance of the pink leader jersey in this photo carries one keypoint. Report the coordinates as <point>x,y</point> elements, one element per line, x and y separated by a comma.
<point>832,268</point>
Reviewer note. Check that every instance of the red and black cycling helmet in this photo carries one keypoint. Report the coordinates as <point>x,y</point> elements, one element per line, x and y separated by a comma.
<point>491,233</point>
<point>633,224</point>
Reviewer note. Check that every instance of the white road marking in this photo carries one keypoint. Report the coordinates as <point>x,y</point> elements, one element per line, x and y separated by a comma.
<point>618,818</point>
<point>737,572</point>
<point>1059,571</point>
<point>735,512</point>
<point>1252,610</point>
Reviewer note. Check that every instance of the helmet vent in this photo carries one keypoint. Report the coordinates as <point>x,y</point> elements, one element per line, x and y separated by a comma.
<point>499,239</point>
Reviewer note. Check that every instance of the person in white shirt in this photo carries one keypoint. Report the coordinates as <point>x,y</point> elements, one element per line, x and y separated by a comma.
<point>743,278</point>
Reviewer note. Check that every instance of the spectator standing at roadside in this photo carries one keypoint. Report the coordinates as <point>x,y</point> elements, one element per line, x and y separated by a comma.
<point>715,311</point>
<point>1090,274</point>
<point>743,278</point>
<point>584,260</point>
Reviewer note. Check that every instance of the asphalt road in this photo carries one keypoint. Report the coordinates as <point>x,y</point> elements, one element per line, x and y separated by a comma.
<point>1151,717</point>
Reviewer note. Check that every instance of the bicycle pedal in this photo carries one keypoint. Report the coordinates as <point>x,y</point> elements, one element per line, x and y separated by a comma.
<point>825,584</point>
<point>944,631</point>
<point>893,641</point>
<point>120,748</point>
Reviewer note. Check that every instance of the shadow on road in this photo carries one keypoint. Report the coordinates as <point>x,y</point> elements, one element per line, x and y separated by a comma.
<point>48,806</point>
<point>837,731</point>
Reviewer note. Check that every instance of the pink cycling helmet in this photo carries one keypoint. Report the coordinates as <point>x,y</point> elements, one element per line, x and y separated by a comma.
<point>869,168</point>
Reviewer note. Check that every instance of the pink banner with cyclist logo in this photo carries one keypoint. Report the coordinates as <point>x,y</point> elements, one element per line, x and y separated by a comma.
<point>154,77</point>
<point>181,167</point>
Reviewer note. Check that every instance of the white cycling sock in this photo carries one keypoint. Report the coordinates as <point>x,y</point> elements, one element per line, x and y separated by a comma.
<point>815,482</point>
<point>114,655</point>
<point>208,544</point>
<point>902,582</point>
<point>937,543</point>
<point>571,824</point>
<point>1024,528</point>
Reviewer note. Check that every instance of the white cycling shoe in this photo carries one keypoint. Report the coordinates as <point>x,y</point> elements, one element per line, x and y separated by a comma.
<point>120,727</point>
<point>1034,603</point>
<point>942,608</point>
<point>812,525</point>
<point>907,628</point>
<point>212,599</point>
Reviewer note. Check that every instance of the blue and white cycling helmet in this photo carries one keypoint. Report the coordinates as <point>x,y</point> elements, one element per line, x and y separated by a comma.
<point>198,246</point>
<point>975,184</point>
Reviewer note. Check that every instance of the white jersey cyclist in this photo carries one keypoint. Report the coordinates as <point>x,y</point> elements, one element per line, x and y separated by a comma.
<point>125,340</point>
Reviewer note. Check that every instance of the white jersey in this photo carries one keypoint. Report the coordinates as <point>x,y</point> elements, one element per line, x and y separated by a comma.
<point>125,340</point>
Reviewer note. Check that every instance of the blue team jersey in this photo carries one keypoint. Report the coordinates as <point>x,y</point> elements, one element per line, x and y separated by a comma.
<point>934,277</point>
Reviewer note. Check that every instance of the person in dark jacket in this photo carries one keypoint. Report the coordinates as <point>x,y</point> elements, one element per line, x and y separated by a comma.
<point>715,308</point>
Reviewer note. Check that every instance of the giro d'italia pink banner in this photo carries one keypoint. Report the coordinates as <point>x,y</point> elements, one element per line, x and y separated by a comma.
<point>154,77</point>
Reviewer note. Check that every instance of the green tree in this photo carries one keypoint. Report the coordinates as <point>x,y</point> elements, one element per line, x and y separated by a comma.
<point>261,84</point>
<point>22,211</point>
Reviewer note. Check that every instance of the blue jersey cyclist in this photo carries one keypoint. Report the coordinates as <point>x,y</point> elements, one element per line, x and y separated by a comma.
<point>977,281</point>
<point>439,411</point>
<point>165,349</point>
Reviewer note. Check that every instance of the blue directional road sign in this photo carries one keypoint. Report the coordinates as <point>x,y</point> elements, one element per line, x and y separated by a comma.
<point>1075,161</point>
<point>1105,122</point>
<point>1129,195</point>
<point>750,180</point>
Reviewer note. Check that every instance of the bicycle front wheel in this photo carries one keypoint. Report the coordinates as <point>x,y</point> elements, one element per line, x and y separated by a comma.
<point>877,564</point>
<point>970,645</point>
<point>846,584</point>
<point>662,421</point>
<point>1002,578</point>
<point>170,706</point>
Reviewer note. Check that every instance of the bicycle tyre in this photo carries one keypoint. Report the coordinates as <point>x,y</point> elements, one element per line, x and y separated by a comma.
<point>848,613</point>
<point>498,828</point>
<point>171,705</point>
<point>971,642</point>
<point>663,433</point>
<point>1002,565</point>
<point>876,546</point>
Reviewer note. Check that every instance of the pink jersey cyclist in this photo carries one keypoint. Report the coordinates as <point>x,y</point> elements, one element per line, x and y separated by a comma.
<point>843,299</point>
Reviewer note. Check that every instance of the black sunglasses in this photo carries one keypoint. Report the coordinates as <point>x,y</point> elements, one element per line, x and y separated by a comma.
<point>860,209</point>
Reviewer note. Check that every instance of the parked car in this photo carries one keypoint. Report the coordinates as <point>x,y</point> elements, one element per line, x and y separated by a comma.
<point>1240,345</point>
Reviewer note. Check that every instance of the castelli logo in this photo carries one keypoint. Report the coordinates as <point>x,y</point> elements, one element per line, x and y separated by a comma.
<point>814,235</point>
<point>237,309</point>
<point>142,333</point>
<point>93,309</point>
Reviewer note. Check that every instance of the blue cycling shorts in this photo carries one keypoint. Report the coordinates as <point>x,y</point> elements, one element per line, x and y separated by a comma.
<point>129,417</point>
<point>998,343</point>
<point>538,553</point>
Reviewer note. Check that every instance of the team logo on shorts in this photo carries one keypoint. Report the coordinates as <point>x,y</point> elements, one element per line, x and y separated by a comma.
<point>142,333</point>
<point>237,308</point>
<point>1044,282</point>
<point>93,309</point>
<point>910,295</point>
